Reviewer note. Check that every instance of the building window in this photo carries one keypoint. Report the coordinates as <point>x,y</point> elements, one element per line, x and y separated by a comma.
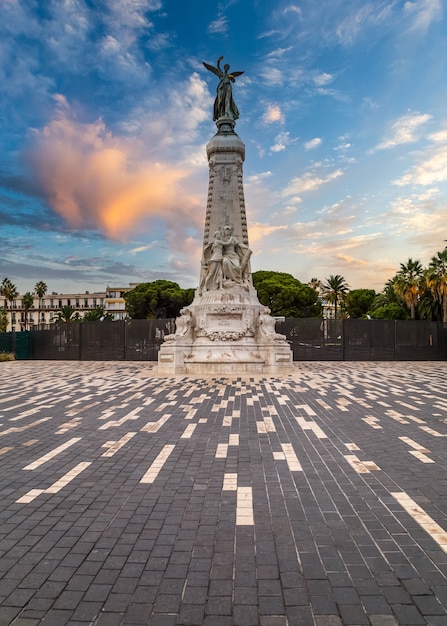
<point>77,303</point>
<point>51,303</point>
<point>60,303</point>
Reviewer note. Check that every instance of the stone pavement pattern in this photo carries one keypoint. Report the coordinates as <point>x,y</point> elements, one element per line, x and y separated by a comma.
<point>318,498</point>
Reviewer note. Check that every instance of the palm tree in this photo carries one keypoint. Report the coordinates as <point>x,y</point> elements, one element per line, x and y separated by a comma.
<point>67,314</point>
<point>409,284</point>
<point>436,278</point>
<point>9,291</point>
<point>98,314</point>
<point>40,290</point>
<point>315,283</point>
<point>335,289</point>
<point>27,303</point>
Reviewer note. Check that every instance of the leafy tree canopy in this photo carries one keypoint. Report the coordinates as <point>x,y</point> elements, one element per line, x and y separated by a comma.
<point>358,302</point>
<point>391,311</point>
<point>286,295</point>
<point>3,320</point>
<point>159,299</point>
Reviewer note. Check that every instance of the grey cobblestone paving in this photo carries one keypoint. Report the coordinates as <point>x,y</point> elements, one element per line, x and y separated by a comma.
<point>318,498</point>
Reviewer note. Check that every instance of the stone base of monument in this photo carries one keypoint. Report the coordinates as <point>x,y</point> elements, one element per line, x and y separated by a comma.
<point>222,358</point>
<point>225,333</point>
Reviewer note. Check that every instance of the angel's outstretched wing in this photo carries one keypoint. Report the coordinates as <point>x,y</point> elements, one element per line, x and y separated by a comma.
<point>236,74</point>
<point>213,69</point>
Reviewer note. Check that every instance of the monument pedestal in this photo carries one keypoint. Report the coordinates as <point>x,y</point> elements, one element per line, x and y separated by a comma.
<point>225,330</point>
<point>225,333</point>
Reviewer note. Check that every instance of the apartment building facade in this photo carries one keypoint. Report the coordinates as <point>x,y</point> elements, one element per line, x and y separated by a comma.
<point>44,311</point>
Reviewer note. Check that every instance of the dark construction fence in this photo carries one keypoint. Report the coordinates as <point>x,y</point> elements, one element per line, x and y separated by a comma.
<point>311,340</point>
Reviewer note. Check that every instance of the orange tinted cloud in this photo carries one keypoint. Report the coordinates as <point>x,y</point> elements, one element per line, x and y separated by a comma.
<point>94,179</point>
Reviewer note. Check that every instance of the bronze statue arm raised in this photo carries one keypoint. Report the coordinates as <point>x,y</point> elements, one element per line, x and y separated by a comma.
<point>224,105</point>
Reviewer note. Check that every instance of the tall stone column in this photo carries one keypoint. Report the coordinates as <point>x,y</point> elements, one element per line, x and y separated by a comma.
<point>225,330</point>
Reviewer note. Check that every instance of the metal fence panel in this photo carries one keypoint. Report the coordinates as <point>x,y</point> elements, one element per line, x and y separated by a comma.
<point>369,340</point>
<point>312,339</point>
<point>419,341</point>
<point>102,341</point>
<point>61,342</point>
<point>18,343</point>
<point>143,338</point>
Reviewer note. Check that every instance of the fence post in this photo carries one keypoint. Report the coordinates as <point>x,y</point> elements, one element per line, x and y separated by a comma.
<point>395,340</point>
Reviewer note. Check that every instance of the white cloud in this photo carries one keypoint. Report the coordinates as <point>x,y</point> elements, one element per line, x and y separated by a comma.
<point>404,130</point>
<point>256,178</point>
<point>431,170</point>
<point>323,79</point>
<point>273,114</point>
<point>423,13</point>
<point>272,75</point>
<point>363,17</point>
<point>309,182</point>
<point>219,25</point>
<point>130,14</point>
<point>278,53</point>
<point>282,140</point>
<point>293,8</point>
<point>145,248</point>
<point>439,137</point>
<point>313,143</point>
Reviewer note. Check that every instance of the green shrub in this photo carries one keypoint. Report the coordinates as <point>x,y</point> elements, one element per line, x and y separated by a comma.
<point>7,356</point>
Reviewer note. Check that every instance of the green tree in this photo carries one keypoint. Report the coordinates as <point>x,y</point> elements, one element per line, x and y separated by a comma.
<point>358,302</point>
<point>315,283</point>
<point>428,307</point>
<point>390,311</point>
<point>27,303</point>
<point>409,284</point>
<point>436,279</point>
<point>388,295</point>
<point>334,290</point>
<point>3,320</point>
<point>9,291</point>
<point>159,299</point>
<point>40,289</point>
<point>98,314</point>
<point>67,314</point>
<point>286,295</point>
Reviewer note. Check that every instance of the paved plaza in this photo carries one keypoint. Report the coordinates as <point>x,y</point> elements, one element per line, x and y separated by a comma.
<point>313,498</point>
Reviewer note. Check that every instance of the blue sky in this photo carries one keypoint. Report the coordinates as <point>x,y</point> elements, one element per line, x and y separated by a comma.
<point>106,110</point>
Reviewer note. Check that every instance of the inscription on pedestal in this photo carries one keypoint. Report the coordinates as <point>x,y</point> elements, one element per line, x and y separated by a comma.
<point>224,321</point>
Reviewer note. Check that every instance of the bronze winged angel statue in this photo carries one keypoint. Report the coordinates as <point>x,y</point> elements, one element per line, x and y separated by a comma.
<point>224,105</point>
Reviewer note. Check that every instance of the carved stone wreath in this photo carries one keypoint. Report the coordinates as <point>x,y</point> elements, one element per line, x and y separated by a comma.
<point>225,335</point>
